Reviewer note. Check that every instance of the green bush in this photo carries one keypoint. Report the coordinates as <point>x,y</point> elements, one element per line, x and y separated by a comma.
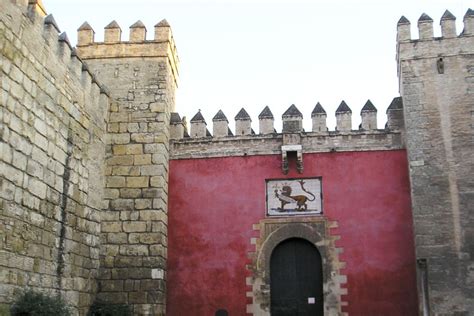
<point>4,310</point>
<point>31,303</point>
<point>104,309</point>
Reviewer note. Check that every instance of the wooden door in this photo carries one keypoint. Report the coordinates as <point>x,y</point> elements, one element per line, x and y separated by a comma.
<point>296,285</point>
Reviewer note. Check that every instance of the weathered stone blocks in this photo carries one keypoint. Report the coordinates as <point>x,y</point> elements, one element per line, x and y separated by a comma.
<point>437,109</point>
<point>137,165</point>
<point>54,124</point>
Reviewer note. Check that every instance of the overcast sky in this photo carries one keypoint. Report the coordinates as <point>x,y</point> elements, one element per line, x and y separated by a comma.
<point>253,53</point>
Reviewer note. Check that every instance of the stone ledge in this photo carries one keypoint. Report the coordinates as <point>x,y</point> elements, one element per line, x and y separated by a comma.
<point>253,145</point>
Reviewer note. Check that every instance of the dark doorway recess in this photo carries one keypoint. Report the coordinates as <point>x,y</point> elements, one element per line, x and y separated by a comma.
<point>222,312</point>
<point>296,279</point>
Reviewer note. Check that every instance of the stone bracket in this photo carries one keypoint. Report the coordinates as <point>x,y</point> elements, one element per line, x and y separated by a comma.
<point>285,150</point>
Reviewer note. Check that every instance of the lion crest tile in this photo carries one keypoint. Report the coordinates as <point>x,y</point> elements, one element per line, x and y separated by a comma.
<point>286,197</point>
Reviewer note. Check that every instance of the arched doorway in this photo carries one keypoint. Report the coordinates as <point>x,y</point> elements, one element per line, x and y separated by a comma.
<point>296,279</point>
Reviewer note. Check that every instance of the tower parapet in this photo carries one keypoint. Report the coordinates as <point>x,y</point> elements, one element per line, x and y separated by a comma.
<point>51,32</point>
<point>468,23</point>
<point>112,33</point>
<point>243,123</point>
<point>403,30</point>
<point>319,118</point>
<point>163,32</point>
<point>395,119</point>
<point>369,116</point>
<point>137,32</point>
<point>85,34</point>
<point>220,125</point>
<point>163,44</point>
<point>265,121</point>
<point>37,7</point>
<point>425,27</point>
<point>343,117</point>
<point>448,25</point>
<point>198,126</point>
<point>292,120</point>
<point>177,127</point>
<point>429,46</point>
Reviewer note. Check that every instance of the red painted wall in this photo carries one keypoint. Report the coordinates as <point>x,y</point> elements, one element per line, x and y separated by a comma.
<point>214,202</point>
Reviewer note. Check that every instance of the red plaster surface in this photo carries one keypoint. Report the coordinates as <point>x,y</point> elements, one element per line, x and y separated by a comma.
<point>214,202</point>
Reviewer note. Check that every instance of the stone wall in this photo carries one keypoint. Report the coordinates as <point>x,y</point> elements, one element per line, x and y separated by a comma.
<point>52,130</point>
<point>141,77</point>
<point>437,85</point>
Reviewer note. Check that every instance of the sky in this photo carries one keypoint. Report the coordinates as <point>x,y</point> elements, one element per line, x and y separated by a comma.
<point>254,53</point>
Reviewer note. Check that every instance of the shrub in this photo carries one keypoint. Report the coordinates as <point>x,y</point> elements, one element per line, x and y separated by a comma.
<point>31,303</point>
<point>105,309</point>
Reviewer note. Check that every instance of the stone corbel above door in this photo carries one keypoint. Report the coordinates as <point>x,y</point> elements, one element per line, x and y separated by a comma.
<point>288,152</point>
<point>291,150</point>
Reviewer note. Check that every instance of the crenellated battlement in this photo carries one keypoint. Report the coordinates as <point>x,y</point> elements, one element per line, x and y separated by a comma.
<point>115,46</point>
<point>199,142</point>
<point>56,46</point>
<point>428,46</point>
<point>33,6</point>
<point>292,120</point>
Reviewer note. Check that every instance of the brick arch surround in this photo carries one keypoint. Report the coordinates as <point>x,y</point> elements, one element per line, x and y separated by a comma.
<point>273,232</point>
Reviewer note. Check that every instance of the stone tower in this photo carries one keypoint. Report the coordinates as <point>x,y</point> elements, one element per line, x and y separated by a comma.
<point>141,76</point>
<point>436,79</point>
